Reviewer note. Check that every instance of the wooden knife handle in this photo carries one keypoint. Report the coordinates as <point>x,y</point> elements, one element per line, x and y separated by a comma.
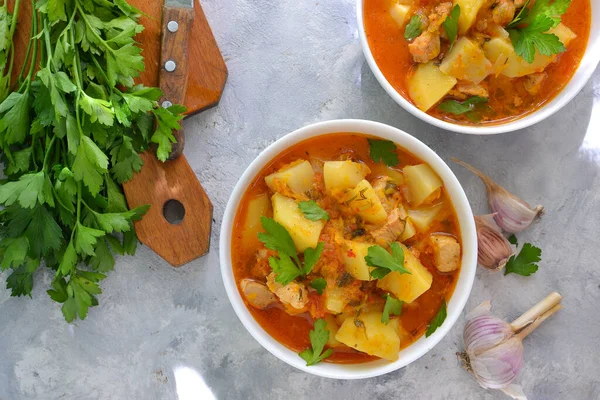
<point>173,77</point>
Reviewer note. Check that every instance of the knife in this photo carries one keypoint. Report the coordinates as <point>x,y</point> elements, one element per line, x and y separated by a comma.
<point>178,224</point>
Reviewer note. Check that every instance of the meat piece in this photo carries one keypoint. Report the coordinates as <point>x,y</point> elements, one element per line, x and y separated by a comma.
<point>533,83</point>
<point>426,47</point>
<point>293,294</point>
<point>387,192</point>
<point>446,251</point>
<point>520,3</point>
<point>391,230</point>
<point>517,100</point>
<point>438,16</point>
<point>504,12</point>
<point>257,294</point>
<point>464,90</point>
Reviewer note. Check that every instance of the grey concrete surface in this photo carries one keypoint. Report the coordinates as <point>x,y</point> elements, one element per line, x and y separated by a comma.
<point>164,333</point>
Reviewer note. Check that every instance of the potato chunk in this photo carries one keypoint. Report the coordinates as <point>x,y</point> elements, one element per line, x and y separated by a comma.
<point>407,287</point>
<point>353,256</point>
<point>343,174</point>
<point>363,201</point>
<point>468,12</point>
<point>422,182</point>
<point>399,13</point>
<point>446,251</point>
<point>332,327</point>
<point>466,61</point>
<point>422,218</point>
<point>501,52</point>
<point>409,230</point>
<point>297,176</point>
<point>257,207</point>
<point>428,85</point>
<point>304,232</point>
<point>368,334</point>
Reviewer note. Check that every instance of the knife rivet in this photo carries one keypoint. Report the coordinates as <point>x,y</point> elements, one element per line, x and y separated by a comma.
<point>172,26</point>
<point>166,104</point>
<point>170,66</point>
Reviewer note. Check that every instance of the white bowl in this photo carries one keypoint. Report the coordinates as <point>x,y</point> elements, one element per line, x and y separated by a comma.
<point>468,236</point>
<point>583,73</point>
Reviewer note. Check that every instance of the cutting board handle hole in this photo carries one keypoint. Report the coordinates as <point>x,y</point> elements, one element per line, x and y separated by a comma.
<point>173,211</point>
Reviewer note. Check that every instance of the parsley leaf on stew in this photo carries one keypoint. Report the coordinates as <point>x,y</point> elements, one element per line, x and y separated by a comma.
<point>529,30</point>
<point>284,268</point>
<point>312,211</point>
<point>311,256</point>
<point>288,266</point>
<point>277,238</point>
<point>450,24</point>
<point>385,262</point>
<point>383,151</point>
<point>413,28</point>
<point>392,307</point>
<point>525,263</point>
<point>318,338</point>
<point>513,240</point>
<point>437,321</point>
<point>319,285</point>
<point>469,107</point>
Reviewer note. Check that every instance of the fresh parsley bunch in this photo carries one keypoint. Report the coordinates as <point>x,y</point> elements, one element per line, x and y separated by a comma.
<point>70,134</point>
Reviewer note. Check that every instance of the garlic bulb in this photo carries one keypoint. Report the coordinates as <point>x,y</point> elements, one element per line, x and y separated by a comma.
<point>493,249</point>
<point>512,214</point>
<point>494,348</point>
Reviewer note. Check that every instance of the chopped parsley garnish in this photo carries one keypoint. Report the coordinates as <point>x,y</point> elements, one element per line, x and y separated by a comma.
<point>319,285</point>
<point>513,240</point>
<point>525,263</point>
<point>450,24</point>
<point>312,211</point>
<point>437,321</point>
<point>392,307</point>
<point>288,266</point>
<point>413,28</point>
<point>318,338</point>
<point>383,151</point>
<point>385,262</point>
<point>529,30</point>
<point>469,107</point>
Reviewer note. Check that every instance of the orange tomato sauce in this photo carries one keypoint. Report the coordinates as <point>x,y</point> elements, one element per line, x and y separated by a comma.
<point>390,50</point>
<point>293,331</point>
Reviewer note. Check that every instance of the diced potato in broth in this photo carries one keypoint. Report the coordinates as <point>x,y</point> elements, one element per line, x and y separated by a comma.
<point>466,61</point>
<point>341,241</point>
<point>428,85</point>
<point>296,176</point>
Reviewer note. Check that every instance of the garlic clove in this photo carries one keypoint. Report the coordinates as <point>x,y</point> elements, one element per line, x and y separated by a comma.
<point>514,391</point>
<point>493,249</point>
<point>497,367</point>
<point>512,214</point>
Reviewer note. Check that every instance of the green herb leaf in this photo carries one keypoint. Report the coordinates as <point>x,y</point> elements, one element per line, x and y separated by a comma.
<point>450,24</point>
<point>529,30</point>
<point>513,240</point>
<point>437,321</point>
<point>312,211</point>
<point>392,307</point>
<point>311,256</point>
<point>277,237</point>
<point>284,268</point>
<point>413,28</point>
<point>319,285</point>
<point>318,338</point>
<point>383,151</point>
<point>385,262</point>
<point>457,108</point>
<point>90,165</point>
<point>525,263</point>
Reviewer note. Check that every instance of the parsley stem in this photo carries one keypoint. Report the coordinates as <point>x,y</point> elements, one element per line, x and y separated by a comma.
<point>47,39</point>
<point>34,23</point>
<point>48,151</point>
<point>91,28</point>
<point>27,52</point>
<point>13,27</point>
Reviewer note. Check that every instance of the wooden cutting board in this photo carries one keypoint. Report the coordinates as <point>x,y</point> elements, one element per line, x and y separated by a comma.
<point>207,73</point>
<point>162,184</point>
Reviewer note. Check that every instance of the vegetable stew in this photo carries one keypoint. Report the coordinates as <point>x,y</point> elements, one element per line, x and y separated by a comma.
<point>478,61</point>
<point>346,249</point>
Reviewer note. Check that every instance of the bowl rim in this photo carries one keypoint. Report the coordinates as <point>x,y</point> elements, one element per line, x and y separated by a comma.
<point>582,75</point>
<point>468,236</point>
